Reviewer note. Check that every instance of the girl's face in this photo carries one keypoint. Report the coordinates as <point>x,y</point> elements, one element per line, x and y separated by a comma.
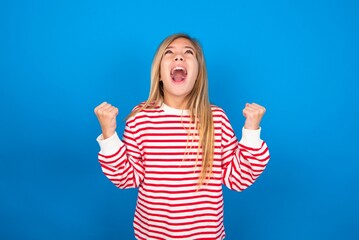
<point>179,71</point>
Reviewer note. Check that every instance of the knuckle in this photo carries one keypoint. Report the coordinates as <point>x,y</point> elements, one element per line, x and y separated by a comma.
<point>106,113</point>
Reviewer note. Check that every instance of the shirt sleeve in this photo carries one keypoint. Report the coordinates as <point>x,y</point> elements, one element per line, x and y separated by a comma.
<point>121,161</point>
<point>243,161</point>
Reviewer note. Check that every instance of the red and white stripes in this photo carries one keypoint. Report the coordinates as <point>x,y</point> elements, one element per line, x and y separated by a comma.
<point>158,154</point>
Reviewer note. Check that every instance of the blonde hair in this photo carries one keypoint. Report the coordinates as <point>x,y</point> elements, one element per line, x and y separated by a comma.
<point>198,103</point>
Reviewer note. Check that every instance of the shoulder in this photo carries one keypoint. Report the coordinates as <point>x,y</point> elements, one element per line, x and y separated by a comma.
<point>143,110</point>
<point>218,111</point>
<point>138,107</point>
<point>220,116</point>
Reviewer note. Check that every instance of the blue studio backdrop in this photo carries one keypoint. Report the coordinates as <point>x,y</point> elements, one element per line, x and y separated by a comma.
<point>59,59</point>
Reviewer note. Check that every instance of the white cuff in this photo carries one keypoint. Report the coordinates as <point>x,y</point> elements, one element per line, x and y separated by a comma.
<point>109,146</point>
<point>251,138</point>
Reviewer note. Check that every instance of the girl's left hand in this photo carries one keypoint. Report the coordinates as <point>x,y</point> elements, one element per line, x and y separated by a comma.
<point>253,114</point>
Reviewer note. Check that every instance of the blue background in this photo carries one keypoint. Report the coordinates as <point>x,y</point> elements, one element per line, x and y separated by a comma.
<point>59,59</point>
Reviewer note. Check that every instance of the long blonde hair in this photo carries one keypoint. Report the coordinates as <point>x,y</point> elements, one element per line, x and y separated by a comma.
<point>198,103</point>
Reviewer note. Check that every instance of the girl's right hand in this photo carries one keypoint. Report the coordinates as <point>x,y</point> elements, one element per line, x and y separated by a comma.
<point>106,115</point>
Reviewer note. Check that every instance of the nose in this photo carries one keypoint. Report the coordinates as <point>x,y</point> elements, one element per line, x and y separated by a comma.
<point>178,58</point>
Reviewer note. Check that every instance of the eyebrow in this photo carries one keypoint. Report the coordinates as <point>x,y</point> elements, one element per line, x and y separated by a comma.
<point>184,47</point>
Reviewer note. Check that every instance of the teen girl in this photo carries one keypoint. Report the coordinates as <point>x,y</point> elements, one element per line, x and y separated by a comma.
<point>179,150</point>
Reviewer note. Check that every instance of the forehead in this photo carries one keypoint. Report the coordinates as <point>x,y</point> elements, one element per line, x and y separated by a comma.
<point>181,42</point>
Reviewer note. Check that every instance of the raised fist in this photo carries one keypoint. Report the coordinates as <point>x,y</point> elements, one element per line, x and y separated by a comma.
<point>106,115</point>
<point>253,114</point>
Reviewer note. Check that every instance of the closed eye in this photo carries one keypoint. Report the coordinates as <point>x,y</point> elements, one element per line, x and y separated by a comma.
<point>189,51</point>
<point>168,52</point>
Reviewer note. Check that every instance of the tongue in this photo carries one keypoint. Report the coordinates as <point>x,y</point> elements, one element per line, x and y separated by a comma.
<point>178,76</point>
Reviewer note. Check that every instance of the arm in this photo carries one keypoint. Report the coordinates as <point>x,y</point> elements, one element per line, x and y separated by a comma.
<point>120,161</point>
<point>244,161</point>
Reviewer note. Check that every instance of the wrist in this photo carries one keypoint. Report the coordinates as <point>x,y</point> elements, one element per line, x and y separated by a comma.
<point>251,127</point>
<point>251,138</point>
<point>107,133</point>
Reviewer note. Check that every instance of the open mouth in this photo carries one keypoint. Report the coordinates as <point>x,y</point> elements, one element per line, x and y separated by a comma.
<point>178,74</point>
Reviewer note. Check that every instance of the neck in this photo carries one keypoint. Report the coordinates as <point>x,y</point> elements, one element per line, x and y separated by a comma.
<point>178,103</point>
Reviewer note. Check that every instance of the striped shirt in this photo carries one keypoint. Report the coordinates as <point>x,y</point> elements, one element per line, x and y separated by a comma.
<point>159,155</point>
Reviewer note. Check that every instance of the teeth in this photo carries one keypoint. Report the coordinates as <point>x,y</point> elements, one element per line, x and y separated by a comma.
<point>178,68</point>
